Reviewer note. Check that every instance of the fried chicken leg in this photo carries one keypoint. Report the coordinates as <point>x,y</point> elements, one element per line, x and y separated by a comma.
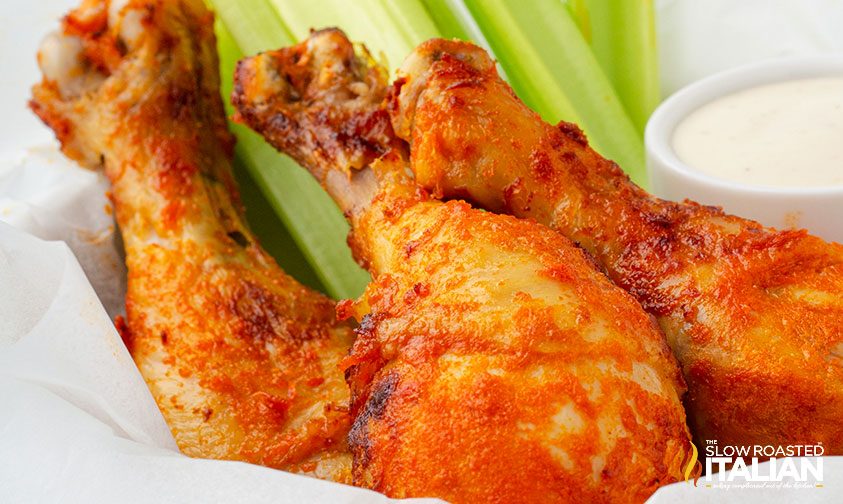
<point>754,315</point>
<point>493,361</point>
<point>241,359</point>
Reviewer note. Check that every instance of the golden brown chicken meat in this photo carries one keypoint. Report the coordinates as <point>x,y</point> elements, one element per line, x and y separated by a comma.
<point>754,315</point>
<point>493,361</point>
<point>241,359</point>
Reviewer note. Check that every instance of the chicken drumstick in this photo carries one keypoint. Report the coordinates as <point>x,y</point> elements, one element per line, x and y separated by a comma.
<point>241,359</point>
<point>493,361</point>
<point>754,315</point>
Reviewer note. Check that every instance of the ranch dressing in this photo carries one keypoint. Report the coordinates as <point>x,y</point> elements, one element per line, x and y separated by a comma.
<point>786,134</point>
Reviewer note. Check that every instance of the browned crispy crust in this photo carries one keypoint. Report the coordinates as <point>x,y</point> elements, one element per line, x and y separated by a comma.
<point>754,315</point>
<point>493,362</point>
<point>241,359</point>
<point>474,375</point>
<point>328,117</point>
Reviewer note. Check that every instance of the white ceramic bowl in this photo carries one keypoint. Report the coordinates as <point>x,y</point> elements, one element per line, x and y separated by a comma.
<point>819,210</point>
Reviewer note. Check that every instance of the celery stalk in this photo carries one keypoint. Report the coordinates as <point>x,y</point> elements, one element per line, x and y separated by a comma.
<point>552,68</point>
<point>253,25</point>
<point>579,11</point>
<point>270,231</point>
<point>273,235</point>
<point>540,48</point>
<point>313,220</point>
<point>453,20</point>
<point>623,38</point>
<point>388,28</point>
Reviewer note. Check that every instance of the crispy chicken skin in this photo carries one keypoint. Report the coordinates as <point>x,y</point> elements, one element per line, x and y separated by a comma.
<point>493,362</point>
<point>754,315</point>
<point>241,359</point>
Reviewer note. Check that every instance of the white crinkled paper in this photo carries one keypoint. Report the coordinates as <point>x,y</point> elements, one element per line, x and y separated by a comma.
<point>50,197</point>
<point>77,423</point>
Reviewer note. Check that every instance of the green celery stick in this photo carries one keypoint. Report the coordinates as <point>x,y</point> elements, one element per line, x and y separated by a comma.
<point>311,217</point>
<point>453,20</point>
<point>552,68</point>
<point>273,235</point>
<point>623,38</point>
<point>390,29</point>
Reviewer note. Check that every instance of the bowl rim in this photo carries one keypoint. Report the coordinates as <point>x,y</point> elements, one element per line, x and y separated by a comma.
<point>658,133</point>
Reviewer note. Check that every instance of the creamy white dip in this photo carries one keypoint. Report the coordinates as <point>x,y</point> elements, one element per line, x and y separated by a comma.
<point>787,134</point>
